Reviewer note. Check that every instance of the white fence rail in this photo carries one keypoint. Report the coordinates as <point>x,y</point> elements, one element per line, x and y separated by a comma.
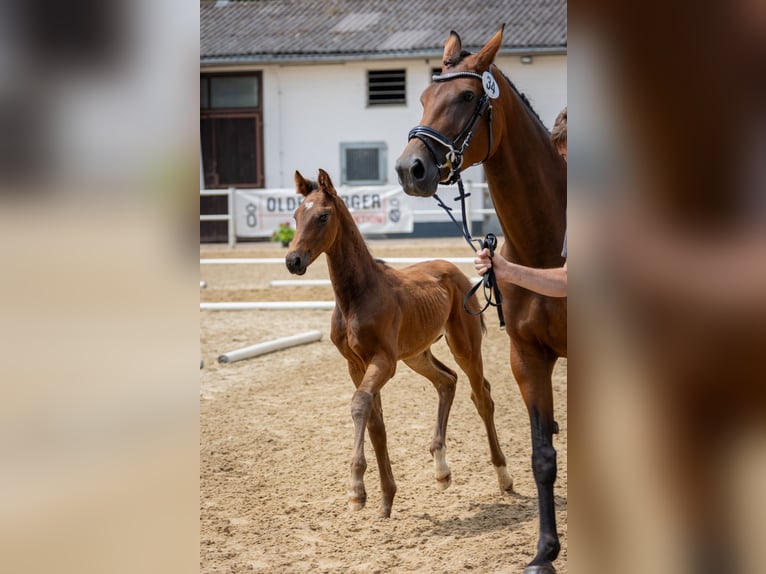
<point>228,216</point>
<point>447,193</point>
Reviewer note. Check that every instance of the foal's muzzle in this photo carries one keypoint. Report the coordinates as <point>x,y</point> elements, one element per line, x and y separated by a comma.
<point>297,262</point>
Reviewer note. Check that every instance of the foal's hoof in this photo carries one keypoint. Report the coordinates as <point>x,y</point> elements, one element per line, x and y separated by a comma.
<point>384,512</point>
<point>504,480</point>
<point>356,502</point>
<point>444,482</point>
<point>545,568</point>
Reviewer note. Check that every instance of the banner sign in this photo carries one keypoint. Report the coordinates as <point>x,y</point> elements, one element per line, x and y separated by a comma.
<point>376,209</point>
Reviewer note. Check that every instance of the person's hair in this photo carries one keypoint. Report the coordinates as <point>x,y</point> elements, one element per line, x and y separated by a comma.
<point>559,131</point>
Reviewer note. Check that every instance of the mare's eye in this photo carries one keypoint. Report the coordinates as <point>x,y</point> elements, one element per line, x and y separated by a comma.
<point>468,96</point>
<point>324,217</point>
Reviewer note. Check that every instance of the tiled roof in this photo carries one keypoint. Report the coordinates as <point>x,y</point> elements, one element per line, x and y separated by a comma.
<point>298,29</point>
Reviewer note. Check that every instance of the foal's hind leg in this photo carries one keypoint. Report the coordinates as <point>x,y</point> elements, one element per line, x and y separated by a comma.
<point>465,344</point>
<point>444,379</point>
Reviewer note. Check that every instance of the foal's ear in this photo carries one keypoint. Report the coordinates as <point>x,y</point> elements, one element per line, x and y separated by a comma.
<point>325,183</point>
<point>453,49</point>
<point>487,54</point>
<point>302,185</point>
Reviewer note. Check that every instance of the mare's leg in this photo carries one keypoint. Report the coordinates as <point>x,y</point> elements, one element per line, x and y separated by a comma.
<point>363,413</point>
<point>533,368</point>
<point>464,337</point>
<point>444,380</point>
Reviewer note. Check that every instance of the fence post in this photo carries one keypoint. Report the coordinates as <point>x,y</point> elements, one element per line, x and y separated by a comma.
<point>231,222</point>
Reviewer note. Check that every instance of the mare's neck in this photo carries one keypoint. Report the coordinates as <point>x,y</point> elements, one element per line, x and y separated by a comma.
<point>527,182</point>
<point>350,262</point>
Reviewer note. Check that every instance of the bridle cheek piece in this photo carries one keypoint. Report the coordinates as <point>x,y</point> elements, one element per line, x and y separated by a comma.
<point>453,159</point>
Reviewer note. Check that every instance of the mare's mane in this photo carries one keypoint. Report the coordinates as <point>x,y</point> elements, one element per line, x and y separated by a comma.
<point>523,97</point>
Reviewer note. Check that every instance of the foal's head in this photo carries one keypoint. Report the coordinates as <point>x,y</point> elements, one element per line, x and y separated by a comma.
<point>317,221</point>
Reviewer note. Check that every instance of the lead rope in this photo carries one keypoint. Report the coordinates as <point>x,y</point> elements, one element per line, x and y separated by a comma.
<point>489,282</point>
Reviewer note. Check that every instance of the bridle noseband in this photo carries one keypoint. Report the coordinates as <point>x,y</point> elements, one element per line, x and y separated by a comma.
<point>453,159</point>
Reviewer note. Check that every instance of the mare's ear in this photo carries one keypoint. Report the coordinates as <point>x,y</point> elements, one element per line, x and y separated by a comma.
<point>325,183</point>
<point>302,185</point>
<point>487,54</point>
<point>453,47</point>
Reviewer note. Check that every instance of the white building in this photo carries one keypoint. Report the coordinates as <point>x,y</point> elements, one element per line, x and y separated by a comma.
<point>335,84</point>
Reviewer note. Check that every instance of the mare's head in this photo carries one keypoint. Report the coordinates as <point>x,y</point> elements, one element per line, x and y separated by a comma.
<point>454,101</point>
<point>317,221</point>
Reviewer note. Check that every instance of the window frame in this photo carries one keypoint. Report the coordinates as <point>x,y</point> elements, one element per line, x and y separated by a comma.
<point>382,148</point>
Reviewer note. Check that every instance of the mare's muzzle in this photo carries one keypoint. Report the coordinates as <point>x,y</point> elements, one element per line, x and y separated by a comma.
<point>418,173</point>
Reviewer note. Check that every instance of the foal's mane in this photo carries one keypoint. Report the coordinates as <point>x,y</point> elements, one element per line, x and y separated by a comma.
<point>314,186</point>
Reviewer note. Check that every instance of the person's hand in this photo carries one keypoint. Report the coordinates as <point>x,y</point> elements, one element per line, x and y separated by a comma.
<point>482,263</point>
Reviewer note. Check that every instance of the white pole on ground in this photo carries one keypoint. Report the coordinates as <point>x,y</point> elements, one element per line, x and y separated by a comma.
<point>248,305</point>
<point>270,346</point>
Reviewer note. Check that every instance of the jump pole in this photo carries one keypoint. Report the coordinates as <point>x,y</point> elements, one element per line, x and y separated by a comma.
<point>270,346</point>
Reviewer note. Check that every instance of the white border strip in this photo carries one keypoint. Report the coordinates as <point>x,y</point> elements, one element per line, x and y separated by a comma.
<point>247,305</point>
<point>299,282</point>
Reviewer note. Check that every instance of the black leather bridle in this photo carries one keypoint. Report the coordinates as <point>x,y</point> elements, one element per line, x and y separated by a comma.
<point>453,159</point>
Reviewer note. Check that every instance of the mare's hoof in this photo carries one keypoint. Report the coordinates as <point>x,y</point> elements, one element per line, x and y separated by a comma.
<point>444,482</point>
<point>546,568</point>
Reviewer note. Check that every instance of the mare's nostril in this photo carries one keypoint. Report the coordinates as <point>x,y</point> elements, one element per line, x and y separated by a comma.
<point>418,170</point>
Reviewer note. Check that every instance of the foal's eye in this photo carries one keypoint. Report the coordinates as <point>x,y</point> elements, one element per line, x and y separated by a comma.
<point>468,96</point>
<point>324,217</point>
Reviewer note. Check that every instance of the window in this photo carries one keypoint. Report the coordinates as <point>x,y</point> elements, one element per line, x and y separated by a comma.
<point>363,163</point>
<point>231,130</point>
<point>226,92</point>
<point>386,87</point>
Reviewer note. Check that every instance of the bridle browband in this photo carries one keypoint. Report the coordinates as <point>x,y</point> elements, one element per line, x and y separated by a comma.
<point>453,159</point>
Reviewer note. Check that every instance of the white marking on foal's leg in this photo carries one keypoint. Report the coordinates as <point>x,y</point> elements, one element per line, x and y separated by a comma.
<point>441,469</point>
<point>504,479</point>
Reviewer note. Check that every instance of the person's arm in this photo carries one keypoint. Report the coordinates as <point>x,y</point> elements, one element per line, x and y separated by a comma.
<point>551,282</point>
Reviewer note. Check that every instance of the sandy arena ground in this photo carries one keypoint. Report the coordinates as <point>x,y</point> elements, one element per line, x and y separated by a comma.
<point>276,437</point>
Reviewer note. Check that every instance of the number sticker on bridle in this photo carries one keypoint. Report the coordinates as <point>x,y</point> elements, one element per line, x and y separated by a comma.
<point>490,85</point>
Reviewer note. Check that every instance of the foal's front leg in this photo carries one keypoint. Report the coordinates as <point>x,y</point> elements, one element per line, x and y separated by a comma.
<point>366,410</point>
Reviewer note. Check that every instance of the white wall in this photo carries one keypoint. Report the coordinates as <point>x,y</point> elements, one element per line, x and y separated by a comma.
<point>310,109</point>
